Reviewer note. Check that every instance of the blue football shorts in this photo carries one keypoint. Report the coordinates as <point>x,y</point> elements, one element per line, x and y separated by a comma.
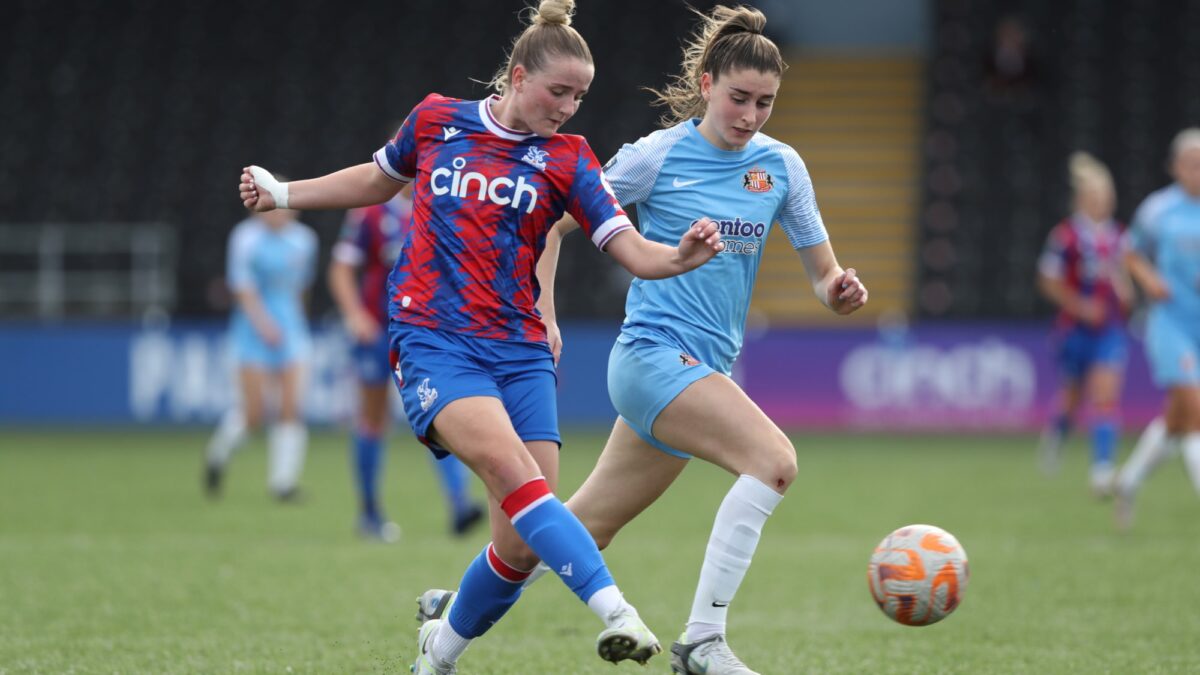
<point>1172,348</point>
<point>372,366</point>
<point>644,377</point>
<point>1082,349</point>
<point>433,368</point>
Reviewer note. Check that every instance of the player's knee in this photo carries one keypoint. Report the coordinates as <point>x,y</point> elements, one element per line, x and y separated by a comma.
<point>780,464</point>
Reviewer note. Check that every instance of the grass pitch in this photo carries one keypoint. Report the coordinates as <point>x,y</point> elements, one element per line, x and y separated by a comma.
<point>111,561</point>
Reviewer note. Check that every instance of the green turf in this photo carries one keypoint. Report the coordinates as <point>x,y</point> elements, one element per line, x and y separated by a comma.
<point>112,562</point>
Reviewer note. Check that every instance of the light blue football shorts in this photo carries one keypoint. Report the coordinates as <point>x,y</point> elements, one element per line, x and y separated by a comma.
<point>1172,348</point>
<point>644,377</point>
<point>249,349</point>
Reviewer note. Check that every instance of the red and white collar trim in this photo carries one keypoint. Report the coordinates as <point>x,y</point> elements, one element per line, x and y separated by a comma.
<point>494,126</point>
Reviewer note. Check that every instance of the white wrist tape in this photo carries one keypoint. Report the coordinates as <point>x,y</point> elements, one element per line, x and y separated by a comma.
<point>264,180</point>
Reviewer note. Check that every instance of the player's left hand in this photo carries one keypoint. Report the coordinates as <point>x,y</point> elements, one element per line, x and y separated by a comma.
<point>700,243</point>
<point>847,293</point>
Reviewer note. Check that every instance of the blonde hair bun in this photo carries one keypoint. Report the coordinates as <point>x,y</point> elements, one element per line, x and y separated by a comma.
<point>554,12</point>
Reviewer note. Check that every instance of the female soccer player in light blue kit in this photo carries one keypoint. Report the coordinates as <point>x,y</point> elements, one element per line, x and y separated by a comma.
<point>271,262</point>
<point>668,374</point>
<point>1164,259</point>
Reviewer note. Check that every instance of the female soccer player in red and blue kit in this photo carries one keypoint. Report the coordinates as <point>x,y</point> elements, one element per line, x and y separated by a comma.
<point>490,179</point>
<point>1081,272</point>
<point>370,243</point>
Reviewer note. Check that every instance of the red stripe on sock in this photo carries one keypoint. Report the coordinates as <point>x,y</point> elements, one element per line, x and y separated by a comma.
<point>503,569</point>
<point>524,496</point>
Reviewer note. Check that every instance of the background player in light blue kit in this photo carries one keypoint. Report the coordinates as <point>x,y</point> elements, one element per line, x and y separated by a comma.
<point>1081,272</point>
<point>490,179</point>
<point>270,265</point>
<point>668,374</point>
<point>1164,259</point>
<point>370,242</point>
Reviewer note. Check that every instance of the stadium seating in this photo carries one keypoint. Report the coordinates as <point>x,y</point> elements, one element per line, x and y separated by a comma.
<point>856,123</point>
<point>995,149</point>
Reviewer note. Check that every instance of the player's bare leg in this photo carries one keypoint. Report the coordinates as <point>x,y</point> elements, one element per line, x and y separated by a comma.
<point>630,475</point>
<point>233,428</point>
<point>714,420</point>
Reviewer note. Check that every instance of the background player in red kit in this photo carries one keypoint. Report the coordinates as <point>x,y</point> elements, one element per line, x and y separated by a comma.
<point>490,179</point>
<point>365,253</point>
<point>1080,271</point>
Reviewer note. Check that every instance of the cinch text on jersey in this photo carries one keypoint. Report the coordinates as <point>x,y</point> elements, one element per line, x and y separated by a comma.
<point>484,190</point>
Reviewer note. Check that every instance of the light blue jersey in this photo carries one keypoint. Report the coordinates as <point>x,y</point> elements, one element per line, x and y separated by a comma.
<point>1166,229</point>
<point>676,176</point>
<point>279,266</point>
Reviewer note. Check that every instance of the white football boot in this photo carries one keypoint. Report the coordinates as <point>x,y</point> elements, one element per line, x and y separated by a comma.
<point>627,638</point>
<point>425,663</point>
<point>434,604</point>
<point>710,656</point>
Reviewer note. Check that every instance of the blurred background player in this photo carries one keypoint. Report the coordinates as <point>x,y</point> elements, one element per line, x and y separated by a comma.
<point>367,249</point>
<point>1081,272</point>
<point>491,177</point>
<point>270,264</point>
<point>1164,259</point>
<point>668,374</point>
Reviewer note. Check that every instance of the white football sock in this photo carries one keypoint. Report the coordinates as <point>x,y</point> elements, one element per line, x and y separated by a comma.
<point>447,645</point>
<point>287,445</point>
<point>607,601</point>
<point>230,433</point>
<point>731,545</point>
<point>1151,448</point>
<point>536,574</point>
<point>1191,457</point>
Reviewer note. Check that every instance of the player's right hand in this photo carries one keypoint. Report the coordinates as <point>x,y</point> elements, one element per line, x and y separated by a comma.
<point>254,199</point>
<point>363,327</point>
<point>1091,312</point>
<point>1157,289</point>
<point>269,333</point>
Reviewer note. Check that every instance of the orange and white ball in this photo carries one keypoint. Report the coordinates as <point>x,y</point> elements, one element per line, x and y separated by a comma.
<point>918,574</point>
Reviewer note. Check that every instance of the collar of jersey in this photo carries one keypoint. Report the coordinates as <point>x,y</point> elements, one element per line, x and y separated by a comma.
<point>494,126</point>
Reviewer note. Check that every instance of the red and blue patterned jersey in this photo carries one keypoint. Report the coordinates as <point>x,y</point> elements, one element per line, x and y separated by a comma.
<point>371,239</point>
<point>484,197</point>
<point>1086,257</point>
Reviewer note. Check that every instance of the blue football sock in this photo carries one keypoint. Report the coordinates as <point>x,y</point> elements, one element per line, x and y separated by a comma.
<point>489,587</point>
<point>368,460</point>
<point>453,476</point>
<point>1062,425</point>
<point>1104,440</point>
<point>557,537</point>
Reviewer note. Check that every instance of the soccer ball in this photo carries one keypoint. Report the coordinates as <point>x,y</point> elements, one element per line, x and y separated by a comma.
<point>918,574</point>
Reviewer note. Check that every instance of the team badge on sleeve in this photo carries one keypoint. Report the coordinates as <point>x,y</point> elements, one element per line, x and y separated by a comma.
<point>758,180</point>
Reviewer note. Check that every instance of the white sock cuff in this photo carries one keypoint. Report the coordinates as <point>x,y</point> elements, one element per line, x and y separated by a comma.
<point>606,601</point>
<point>756,493</point>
